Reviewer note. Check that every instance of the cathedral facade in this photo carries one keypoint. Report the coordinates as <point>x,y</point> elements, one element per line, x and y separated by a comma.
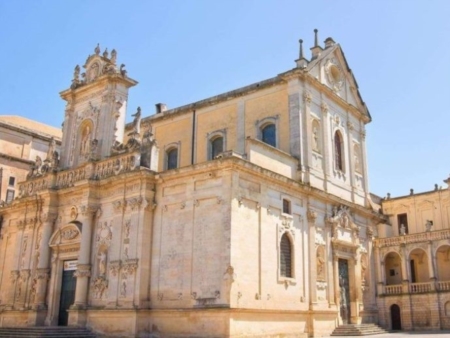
<point>244,214</point>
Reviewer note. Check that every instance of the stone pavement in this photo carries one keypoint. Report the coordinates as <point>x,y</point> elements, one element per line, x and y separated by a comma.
<point>412,334</point>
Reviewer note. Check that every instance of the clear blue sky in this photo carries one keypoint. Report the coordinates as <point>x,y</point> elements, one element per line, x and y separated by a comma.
<point>184,51</point>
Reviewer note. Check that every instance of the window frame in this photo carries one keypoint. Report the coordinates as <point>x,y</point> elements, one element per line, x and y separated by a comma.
<point>221,133</point>
<point>289,206</point>
<point>13,179</point>
<point>265,122</point>
<point>399,222</point>
<point>169,148</point>
<point>339,151</point>
<point>291,273</point>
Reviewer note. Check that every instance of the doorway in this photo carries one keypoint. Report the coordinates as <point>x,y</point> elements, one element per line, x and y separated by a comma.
<point>344,291</point>
<point>68,286</point>
<point>396,318</point>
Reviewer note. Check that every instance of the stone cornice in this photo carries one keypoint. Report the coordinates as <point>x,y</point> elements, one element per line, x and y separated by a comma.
<point>99,82</point>
<point>33,133</point>
<point>265,175</point>
<point>17,159</point>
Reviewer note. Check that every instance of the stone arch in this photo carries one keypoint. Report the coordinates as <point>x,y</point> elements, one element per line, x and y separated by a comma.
<point>69,234</point>
<point>418,265</point>
<point>393,268</point>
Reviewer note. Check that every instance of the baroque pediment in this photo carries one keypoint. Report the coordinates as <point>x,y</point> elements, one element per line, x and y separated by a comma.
<point>68,234</point>
<point>341,217</point>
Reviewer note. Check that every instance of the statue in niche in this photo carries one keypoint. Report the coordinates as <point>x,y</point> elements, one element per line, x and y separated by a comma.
<point>320,263</point>
<point>85,141</point>
<point>357,163</point>
<point>101,263</point>
<point>316,140</point>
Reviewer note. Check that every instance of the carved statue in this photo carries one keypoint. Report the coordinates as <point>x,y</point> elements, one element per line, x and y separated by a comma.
<point>137,121</point>
<point>316,140</point>
<point>320,256</point>
<point>93,149</point>
<point>85,141</point>
<point>97,49</point>
<point>101,263</point>
<point>357,163</point>
<point>105,53</point>
<point>402,229</point>
<point>51,149</point>
<point>113,56</point>
<point>123,72</point>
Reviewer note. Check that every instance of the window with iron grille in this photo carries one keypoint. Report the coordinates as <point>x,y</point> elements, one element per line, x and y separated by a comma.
<point>285,256</point>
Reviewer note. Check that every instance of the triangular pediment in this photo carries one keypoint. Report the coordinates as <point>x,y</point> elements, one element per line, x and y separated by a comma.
<point>330,67</point>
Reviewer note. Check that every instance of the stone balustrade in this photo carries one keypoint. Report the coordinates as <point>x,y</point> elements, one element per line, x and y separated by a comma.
<point>397,289</point>
<point>443,285</point>
<point>413,238</point>
<point>90,170</point>
<point>420,287</point>
<point>393,289</point>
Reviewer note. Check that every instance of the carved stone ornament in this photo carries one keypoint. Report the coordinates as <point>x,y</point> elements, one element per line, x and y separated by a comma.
<point>83,271</point>
<point>311,215</point>
<point>341,216</point>
<point>104,233</point>
<point>114,267</point>
<point>14,275</point>
<point>73,213</point>
<point>334,74</point>
<point>130,266</point>
<point>307,97</point>
<point>100,285</point>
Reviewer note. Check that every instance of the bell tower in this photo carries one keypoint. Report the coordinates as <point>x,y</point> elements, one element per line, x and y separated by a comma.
<point>96,108</point>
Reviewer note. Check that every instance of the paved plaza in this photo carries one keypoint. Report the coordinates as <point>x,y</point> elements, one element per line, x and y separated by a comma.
<point>413,334</point>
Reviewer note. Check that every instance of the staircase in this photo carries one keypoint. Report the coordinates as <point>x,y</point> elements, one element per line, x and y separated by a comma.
<point>46,332</point>
<point>357,330</point>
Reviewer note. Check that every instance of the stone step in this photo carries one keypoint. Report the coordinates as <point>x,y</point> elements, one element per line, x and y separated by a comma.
<point>358,330</point>
<point>46,332</point>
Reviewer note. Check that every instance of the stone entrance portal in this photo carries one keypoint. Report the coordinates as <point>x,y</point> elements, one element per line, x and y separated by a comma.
<point>68,285</point>
<point>344,291</point>
<point>396,318</point>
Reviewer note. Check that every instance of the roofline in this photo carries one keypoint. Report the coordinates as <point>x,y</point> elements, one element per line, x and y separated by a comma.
<point>25,130</point>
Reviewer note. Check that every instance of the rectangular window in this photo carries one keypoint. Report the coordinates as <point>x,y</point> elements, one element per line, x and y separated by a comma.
<point>9,195</point>
<point>12,180</point>
<point>402,219</point>
<point>391,272</point>
<point>287,207</point>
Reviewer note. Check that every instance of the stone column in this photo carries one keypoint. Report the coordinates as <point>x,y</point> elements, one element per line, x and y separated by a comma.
<point>312,216</point>
<point>406,273</point>
<point>431,266</point>
<point>379,267</point>
<point>43,265</point>
<point>84,263</point>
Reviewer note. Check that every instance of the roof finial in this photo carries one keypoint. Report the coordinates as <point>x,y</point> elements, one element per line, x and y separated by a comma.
<point>301,49</point>
<point>316,38</point>
<point>97,49</point>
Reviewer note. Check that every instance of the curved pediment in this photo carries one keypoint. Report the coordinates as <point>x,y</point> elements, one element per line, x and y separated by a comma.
<point>68,234</point>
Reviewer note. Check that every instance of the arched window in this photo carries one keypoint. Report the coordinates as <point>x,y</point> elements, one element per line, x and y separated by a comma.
<point>216,146</point>
<point>172,158</point>
<point>268,134</point>
<point>338,151</point>
<point>285,256</point>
